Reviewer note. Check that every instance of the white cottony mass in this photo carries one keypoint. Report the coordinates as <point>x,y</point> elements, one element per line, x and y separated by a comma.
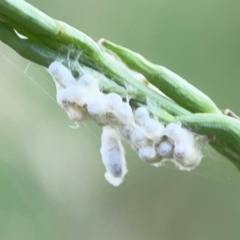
<point>154,142</point>
<point>165,149</point>
<point>141,116</point>
<point>61,75</point>
<point>113,156</point>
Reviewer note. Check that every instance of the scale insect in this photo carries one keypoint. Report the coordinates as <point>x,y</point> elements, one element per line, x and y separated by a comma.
<point>153,141</point>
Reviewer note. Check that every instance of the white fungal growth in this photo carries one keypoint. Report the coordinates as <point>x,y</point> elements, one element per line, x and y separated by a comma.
<point>113,156</point>
<point>165,149</point>
<point>148,154</point>
<point>61,75</point>
<point>141,116</point>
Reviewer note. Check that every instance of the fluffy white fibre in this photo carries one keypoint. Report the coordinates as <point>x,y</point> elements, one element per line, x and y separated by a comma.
<point>61,75</point>
<point>113,156</point>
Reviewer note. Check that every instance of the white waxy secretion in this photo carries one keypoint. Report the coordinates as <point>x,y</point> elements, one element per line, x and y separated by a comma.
<point>120,111</point>
<point>72,109</point>
<point>113,156</point>
<point>75,113</point>
<point>137,138</point>
<point>114,101</point>
<point>173,131</point>
<point>154,129</point>
<point>177,134</point>
<point>78,95</point>
<point>113,180</point>
<point>141,115</point>
<point>97,105</point>
<point>165,149</point>
<point>124,113</point>
<point>148,154</point>
<point>187,156</point>
<point>126,131</point>
<point>61,75</point>
<point>61,97</point>
<point>153,142</point>
<point>89,82</point>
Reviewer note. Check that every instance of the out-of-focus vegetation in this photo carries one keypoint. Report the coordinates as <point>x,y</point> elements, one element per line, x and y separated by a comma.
<point>51,176</point>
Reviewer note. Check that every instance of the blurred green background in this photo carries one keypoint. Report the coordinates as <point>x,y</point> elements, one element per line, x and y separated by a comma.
<point>51,176</point>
